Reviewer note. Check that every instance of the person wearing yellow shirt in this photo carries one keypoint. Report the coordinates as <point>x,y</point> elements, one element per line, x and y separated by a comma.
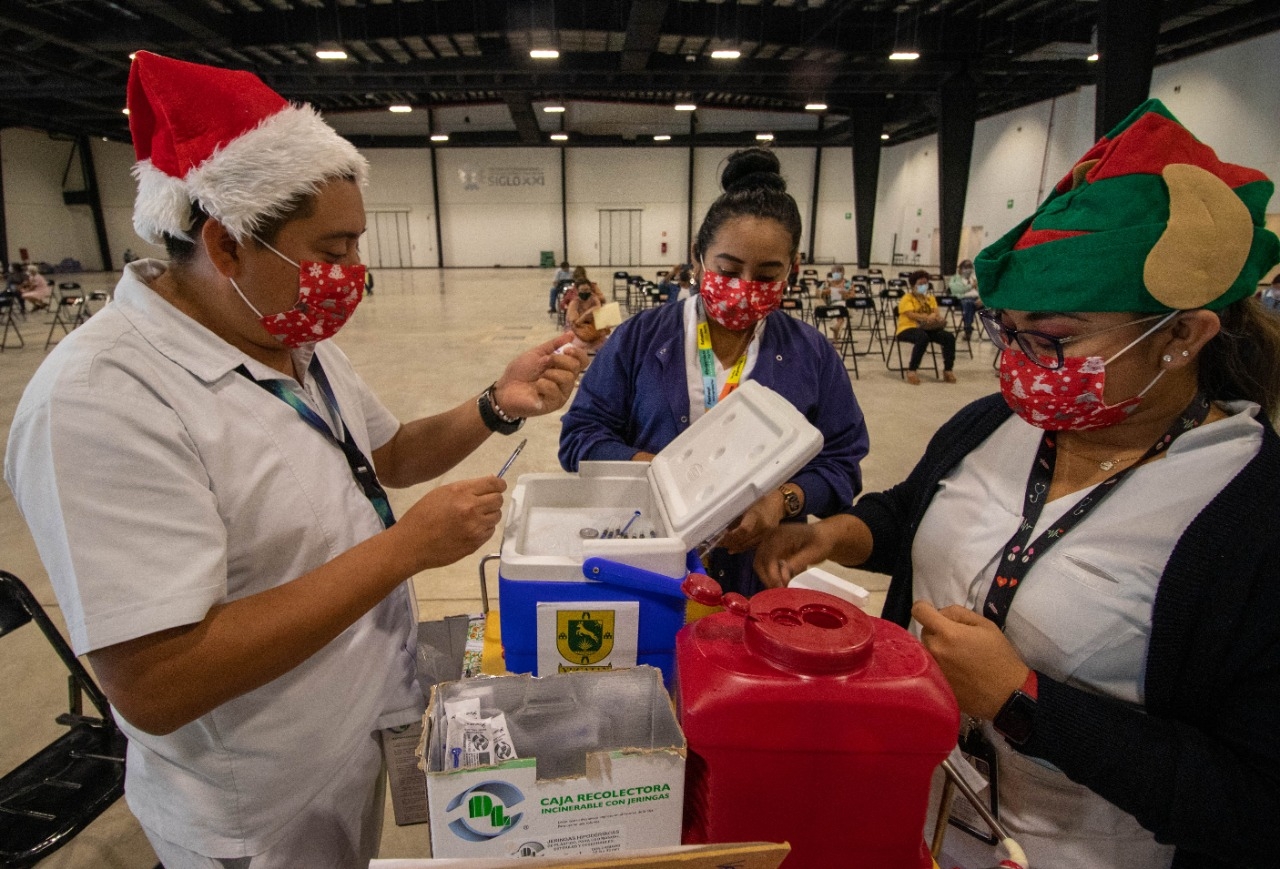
<point>920,323</point>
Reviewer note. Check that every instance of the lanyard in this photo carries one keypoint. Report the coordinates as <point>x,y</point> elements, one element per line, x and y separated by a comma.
<point>1020,553</point>
<point>707,364</point>
<point>361,467</point>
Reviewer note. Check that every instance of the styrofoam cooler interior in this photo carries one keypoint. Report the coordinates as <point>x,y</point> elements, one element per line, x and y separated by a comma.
<point>749,443</point>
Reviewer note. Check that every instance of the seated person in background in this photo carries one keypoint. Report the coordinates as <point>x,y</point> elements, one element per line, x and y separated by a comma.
<point>585,299</point>
<point>964,286</point>
<point>667,366</point>
<point>15,277</point>
<point>562,274</point>
<point>919,323</point>
<point>679,283</point>
<point>35,289</point>
<point>834,292</point>
<point>1124,672</point>
<point>1271,295</point>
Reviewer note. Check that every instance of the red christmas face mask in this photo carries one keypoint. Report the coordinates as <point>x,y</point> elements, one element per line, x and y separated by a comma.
<point>1067,398</point>
<point>737,304</point>
<point>328,294</point>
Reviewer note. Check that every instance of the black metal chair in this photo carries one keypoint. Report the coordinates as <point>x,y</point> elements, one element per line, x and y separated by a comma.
<point>68,311</point>
<point>901,368</point>
<point>621,281</point>
<point>864,317</point>
<point>949,306</point>
<point>7,304</point>
<point>56,793</point>
<point>833,322</point>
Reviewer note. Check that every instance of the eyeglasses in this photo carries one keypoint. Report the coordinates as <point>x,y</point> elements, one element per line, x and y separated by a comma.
<point>1042,349</point>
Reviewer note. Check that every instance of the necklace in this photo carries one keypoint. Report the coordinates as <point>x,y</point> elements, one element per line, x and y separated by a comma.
<point>1104,464</point>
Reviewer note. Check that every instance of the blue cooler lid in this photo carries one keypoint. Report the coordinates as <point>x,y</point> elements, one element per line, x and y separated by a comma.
<point>747,445</point>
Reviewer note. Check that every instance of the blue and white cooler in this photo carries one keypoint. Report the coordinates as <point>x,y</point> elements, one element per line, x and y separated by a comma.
<point>577,594</point>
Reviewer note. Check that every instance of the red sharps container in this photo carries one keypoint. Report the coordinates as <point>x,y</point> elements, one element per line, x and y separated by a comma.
<point>810,722</point>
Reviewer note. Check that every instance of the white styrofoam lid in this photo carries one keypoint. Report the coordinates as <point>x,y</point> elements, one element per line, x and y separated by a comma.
<point>746,445</point>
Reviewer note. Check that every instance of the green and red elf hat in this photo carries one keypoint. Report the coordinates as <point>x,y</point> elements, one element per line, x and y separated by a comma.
<point>1149,220</point>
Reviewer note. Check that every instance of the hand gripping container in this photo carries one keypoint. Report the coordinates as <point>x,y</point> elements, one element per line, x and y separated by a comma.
<point>745,446</point>
<point>810,722</point>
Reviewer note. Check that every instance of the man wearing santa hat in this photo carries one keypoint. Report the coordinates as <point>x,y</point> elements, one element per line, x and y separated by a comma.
<point>202,472</point>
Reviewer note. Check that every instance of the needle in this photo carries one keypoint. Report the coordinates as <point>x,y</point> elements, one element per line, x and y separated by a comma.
<point>514,453</point>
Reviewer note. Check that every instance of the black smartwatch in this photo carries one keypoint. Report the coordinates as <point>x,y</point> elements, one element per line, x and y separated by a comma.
<point>493,417</point>
<point>1016,718</point>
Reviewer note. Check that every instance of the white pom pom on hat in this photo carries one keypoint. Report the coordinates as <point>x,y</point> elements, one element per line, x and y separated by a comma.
<point>223,139</point>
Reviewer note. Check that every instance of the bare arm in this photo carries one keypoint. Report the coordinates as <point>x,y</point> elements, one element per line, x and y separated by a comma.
<point>165,680</point>
<point>791,547</point>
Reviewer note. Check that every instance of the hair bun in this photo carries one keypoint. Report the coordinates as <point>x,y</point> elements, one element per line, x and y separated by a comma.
<point>752,169</point>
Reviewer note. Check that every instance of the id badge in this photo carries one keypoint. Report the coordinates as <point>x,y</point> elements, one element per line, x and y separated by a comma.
<point>979,752</point>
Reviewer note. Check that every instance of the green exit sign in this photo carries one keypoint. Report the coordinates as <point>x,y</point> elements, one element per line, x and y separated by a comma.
<point>848,215</point>
<point>919,212</point>
<point>1008,203</point>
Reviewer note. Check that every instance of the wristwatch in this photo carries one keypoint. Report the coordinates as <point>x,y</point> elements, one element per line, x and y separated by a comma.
<point>493,417</point>
<point>1016,718</point>
<point>790,500</point>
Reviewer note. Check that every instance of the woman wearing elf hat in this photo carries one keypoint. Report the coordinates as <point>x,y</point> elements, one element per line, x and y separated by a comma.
<point>202,472</point>
<point>1093,557</point>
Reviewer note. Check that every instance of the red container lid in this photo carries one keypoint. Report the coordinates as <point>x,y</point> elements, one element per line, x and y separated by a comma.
<point>808,631</point>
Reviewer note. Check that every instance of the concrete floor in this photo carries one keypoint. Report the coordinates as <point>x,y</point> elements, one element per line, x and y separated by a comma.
<point>425,342</point>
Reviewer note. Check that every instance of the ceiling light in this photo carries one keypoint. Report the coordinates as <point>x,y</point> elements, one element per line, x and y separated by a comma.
<point>440,137</point>
<point>125,110</point>
<point>686,107</point>
<point>544,54</point>
<point>662,138</point>
<point>1093,57</point>
<point>559,137</point>
<point>764,137</point>
<point>726,54</point>
<point>816,107</point>
<point>331,54</point>
<point>553,108</point>
<point>905,55</point>
<point>400,110</point>
<point>884,137</point>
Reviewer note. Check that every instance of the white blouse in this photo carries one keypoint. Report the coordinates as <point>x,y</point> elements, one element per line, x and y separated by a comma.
<point>1083,613</point>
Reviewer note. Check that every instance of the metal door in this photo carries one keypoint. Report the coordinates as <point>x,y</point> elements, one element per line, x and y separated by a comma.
<point>620,236</point>
<point>386,241</point>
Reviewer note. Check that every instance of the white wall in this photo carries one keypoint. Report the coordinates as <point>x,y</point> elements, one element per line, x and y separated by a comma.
<point>400,179</point>
<point>488,219</point>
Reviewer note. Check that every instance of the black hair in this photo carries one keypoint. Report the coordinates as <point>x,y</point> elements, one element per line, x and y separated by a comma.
<point>753,187</point>
<point>1243,360</point>
<point>914,277</point>
<point>181,251</point>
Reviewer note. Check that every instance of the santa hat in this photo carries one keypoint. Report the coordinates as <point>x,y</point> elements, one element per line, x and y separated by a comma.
<point>1149,220</point>
<point>224,140</point>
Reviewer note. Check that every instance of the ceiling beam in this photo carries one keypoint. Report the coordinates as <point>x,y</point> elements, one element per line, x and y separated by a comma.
<point>644,29</point>
<point>523,116</point>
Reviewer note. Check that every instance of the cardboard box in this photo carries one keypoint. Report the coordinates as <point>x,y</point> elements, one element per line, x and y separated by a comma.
<point>744,855</point>
<point>600,768</point>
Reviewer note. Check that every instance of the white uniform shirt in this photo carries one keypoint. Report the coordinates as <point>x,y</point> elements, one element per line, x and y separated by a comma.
<point>693,368</point>
<point>1083,614</point>
<point>158,482</point>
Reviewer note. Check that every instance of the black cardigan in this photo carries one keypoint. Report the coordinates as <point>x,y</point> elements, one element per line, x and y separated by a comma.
<point>1201,769</point>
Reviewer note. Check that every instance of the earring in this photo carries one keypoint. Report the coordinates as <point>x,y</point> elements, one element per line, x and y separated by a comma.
<point>1166,358</point>
<point>1186,352</point>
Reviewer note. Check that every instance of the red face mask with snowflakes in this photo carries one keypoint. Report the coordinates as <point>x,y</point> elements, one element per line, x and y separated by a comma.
<point>328,294</point>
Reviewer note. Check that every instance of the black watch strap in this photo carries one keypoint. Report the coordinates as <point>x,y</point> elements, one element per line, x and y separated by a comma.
<point>1016,718</point>
<point>493,417</point>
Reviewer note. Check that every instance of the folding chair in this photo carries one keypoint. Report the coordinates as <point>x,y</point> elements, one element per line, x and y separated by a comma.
<point>792,305</point>
<point>562,301</point>
<point>56,793</point>
<point>887,316</point>
<point>67,312</point>
<point>7,304</point>
<point>826,318</point>
<point>902,364</point>
<point>949,307</point>
<point>621,281</point>
<point>867,320</point>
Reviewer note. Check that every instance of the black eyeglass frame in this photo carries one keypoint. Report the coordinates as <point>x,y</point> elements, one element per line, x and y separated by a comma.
<point>1004,337</point>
